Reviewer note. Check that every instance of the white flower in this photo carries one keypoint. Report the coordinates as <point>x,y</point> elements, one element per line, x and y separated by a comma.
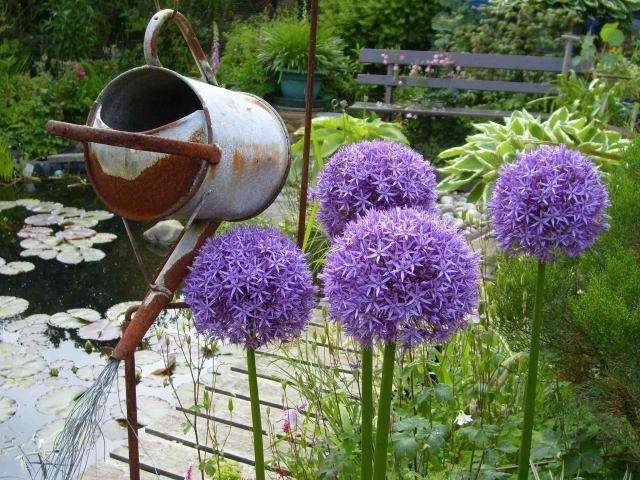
<point>463,419</point>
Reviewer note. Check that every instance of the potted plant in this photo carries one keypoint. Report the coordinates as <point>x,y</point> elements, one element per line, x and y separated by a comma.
<point>285,52</point>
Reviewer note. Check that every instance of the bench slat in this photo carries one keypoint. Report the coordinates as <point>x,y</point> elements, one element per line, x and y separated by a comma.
<point>469,60</point>
<point>434,111</point>
<point>456,83</point>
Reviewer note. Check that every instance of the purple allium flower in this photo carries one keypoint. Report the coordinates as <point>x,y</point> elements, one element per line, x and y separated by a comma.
<point>376,174</point>
<point>250,286</point>
<point>550,199</point>
<point>402,274</point>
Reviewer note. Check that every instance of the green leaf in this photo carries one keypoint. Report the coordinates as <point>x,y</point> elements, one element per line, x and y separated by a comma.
<point>611,34</point>
<point>453,152</point>
<point>405,446</point>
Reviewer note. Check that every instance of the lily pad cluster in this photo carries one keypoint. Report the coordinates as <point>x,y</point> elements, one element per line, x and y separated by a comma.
<point>72,243</point>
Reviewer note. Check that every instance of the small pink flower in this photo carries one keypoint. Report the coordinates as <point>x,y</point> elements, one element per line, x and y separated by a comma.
<point>80,73</point>
<point>188,474</point>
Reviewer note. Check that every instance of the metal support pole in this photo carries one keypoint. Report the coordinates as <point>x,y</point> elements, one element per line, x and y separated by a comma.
<point>132,403</point>
<point>304,181</point>
<point>132,415</point>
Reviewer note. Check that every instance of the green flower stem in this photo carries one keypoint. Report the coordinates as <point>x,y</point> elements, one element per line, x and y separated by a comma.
<point>255,414</point>
<point>532,378</point>
<point>384,413</point>
<point>367,414</point>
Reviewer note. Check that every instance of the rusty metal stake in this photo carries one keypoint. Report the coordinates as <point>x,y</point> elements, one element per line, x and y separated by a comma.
<point>132,412</point>
<point>131,397</point>
<point>137,141</point>
<point>304,181</point>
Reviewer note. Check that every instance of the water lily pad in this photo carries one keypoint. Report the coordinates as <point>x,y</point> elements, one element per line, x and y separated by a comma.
<point>74,318</point>
<point>43,219</point>
<point>46,436</point>
<point>78,222</point>
<point>101,331</point>
<point>147,357</point>
<point>89,373</point>
<point>42,243</point>
<point>8,408</point>
<point>12,306</point>
<point>68,212</point>
<point>28,324</point>
<point>103,237</point>
<point>29,231</point>
<point>7,349</point>
<point>28,202</point>
<point>80,242</point>
<point>44,207</point>
<point>154,409</point>
<point>14,268</point>
<point>25,382</point>
<point>2,261</point>
<point>59,401</point>
<point>98,215</point>
<point>74,255</point>
<point>75,233</point>
<point>43,254</point>
<point>117,312</point>
<point>22,366</point>
<point>6,205</point>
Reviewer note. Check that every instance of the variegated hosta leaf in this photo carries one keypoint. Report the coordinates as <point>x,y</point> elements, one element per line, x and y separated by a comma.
<point>477,162</point>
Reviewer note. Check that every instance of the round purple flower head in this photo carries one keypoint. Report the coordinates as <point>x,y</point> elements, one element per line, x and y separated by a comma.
<point>250,286</point>
<point>401,274</point>
<point>377,174</point>
<point>550,199</point>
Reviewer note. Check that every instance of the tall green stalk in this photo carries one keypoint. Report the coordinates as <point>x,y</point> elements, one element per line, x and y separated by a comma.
<point>532,378</point>
<point>256,422</point>
<point>384,413</point>
<point>367,414</point>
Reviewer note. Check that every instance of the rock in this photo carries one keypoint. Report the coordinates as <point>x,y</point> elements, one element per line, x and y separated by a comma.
<point>458,222</point>
<point>446,209</point>
<point>163,233</point>
<point>446,200</point>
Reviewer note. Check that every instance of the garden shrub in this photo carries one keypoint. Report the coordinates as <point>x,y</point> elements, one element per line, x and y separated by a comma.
<point>240,68</point>
<point>388,24</point>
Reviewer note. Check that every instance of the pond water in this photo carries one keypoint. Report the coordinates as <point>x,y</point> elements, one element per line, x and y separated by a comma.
<point>33,402</point>
<point>53,286</point>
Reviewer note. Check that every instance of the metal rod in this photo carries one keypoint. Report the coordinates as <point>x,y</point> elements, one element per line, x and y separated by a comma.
<point>131,396</point>
<point>136,252</point>
<point>304,182</point>
<point>132,413</point>
<point>137,141</point>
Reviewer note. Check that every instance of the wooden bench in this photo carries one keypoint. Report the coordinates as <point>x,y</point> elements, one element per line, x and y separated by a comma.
<point>407,58</point>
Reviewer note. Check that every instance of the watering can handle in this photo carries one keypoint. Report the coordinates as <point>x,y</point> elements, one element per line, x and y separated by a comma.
<point>151,42</point>
<point>137,141</point>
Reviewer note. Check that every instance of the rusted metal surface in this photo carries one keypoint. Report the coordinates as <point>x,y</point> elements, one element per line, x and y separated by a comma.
<point>136,141</point>
<point>132,412</point>
<point>304,181</point>
<point>252,139</point>
<point>132,401</point>
<point>151,42</point>
<point>169,276</point>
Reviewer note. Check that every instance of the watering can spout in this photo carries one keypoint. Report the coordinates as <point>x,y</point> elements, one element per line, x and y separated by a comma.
<point>137,141</point>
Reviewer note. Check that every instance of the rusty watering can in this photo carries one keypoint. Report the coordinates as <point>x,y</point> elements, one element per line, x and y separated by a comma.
<point>159,144</point>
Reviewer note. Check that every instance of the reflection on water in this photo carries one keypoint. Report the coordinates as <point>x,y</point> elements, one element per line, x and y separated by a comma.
<point>53,286</point>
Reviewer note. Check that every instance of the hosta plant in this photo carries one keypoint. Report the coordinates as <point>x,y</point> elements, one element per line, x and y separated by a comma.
<point>476,163</point>
<point>330,133</point>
